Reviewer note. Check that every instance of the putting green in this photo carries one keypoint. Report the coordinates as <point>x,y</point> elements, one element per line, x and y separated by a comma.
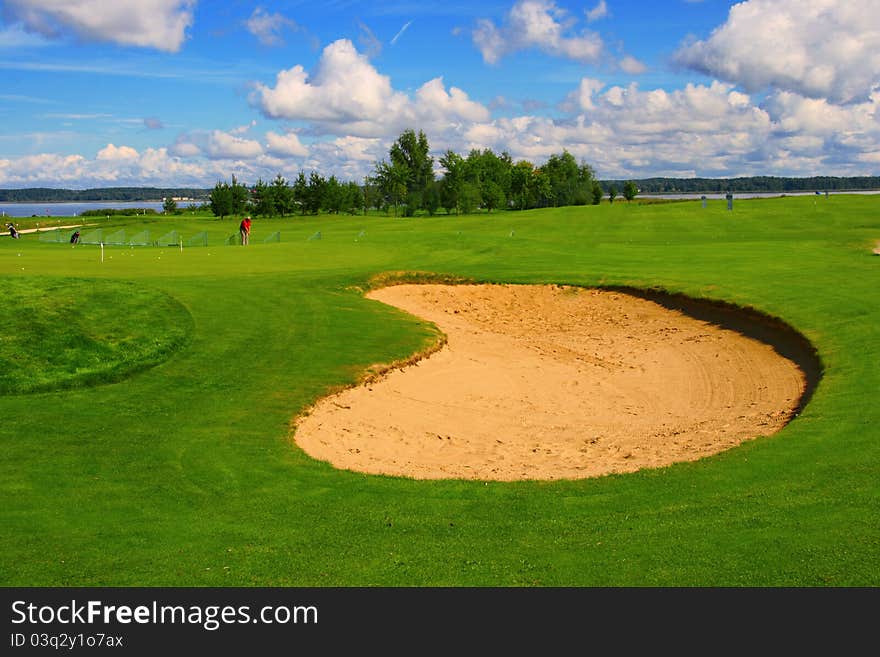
<point>76,333</point>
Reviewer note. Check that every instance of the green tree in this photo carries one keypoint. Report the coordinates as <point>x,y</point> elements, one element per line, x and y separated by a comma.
<point>492,173</point>
<point>391,178</point>
<point>410,153</point>
<point>522,185</point>
<point>371,194</point>
<point>562,171</point>
<point>543,189</point>
<point>169,205</point>
<point>597,192</point>
<point>315,193</point>
<point>612,193</point>
<point>221,199</point>
<point>301,192</point>
<point>584,192</point>
<point>453,180</point>
<point>432,198</point>
<point>333,196</point>
<point>262,200</point>
<point>630,190</point>
<point>492,195</point>
<point>239,196</point>
<point>282,196</point>
<point>470,197</point>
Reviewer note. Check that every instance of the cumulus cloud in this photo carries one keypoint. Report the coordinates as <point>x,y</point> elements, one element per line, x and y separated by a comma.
<point>816,48</point>
<point>269,27</point>
<point>116,153</point>
<point>706,130</point>
<point>217,144</point>
<point>348,158</point>
<point>344,88</point>
<point>286,145</point>
<point>537,24</point>
<point>159,24</point>
<point>153,166</point>
<point>222,145</point>
<point>346,95</point>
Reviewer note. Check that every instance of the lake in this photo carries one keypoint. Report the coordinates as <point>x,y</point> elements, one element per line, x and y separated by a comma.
<point>73,209</point>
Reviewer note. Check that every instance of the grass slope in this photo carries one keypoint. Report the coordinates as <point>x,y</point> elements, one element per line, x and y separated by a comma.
<point>185,474</point>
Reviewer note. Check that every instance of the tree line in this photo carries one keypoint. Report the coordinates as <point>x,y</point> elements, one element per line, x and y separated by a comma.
<point>750,184</point>
<point>405,183</point>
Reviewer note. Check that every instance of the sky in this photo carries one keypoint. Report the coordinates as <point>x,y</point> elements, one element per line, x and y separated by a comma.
<point>179,93</point>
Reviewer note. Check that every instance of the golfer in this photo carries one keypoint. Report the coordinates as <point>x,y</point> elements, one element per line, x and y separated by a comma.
<point>245,230</point>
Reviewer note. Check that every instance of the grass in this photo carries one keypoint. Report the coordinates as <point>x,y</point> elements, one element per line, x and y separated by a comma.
<point>184,473</point>
<point>62,333</point>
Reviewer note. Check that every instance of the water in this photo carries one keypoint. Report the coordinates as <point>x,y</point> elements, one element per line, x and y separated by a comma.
<point>74,209</point>
<point>715,196</point>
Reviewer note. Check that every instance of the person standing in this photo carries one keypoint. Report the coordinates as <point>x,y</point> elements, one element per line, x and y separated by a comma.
<point>245,230</point>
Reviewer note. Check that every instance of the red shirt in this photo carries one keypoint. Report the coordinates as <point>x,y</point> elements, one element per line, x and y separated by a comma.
<point>246,225</point>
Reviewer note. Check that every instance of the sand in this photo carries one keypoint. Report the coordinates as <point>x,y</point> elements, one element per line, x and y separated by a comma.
<point>550,382</point>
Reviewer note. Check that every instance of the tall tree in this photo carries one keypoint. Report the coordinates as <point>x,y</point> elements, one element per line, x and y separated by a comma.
<point>333,195</point>
<point>411,153</point>
<point>630,190</point>
<point>315,192</point>
<point>239,196</point>
<point>282,195</point>
<point>453,180</point>
<point>597,192</point>
<point>262,200</point>
<point>301,192</point>
<point>391,178</point>
<point>522,187</point>
<point>221,199</point>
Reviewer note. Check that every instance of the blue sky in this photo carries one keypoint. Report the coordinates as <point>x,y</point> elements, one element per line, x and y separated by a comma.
<point>186,92</point>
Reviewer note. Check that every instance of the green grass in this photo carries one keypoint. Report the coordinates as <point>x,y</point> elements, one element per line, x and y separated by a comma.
<point>185,473</point>
<point>62,333</point>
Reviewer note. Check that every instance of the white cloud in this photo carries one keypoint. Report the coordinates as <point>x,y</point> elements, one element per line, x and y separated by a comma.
<point>217,144</point>
<point>631,65</point>
<point>536,24</point>
<point>706,130</point>
<point>269,27</point>
<point>152,167</point>
<point>159,24</point>
<point>816,48</point>
<point>117,153</point>
<point>185,147</point>
<point>348,96</point>
<point>344,89</point>
<point>597,12</point>
<point>242,129</point>
<point>222,145</point>
<point>434,105</point>
<point>286,145</point>
<point>582,97</point>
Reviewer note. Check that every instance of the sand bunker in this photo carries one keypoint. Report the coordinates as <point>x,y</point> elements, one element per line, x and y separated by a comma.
<point>549,382</point>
